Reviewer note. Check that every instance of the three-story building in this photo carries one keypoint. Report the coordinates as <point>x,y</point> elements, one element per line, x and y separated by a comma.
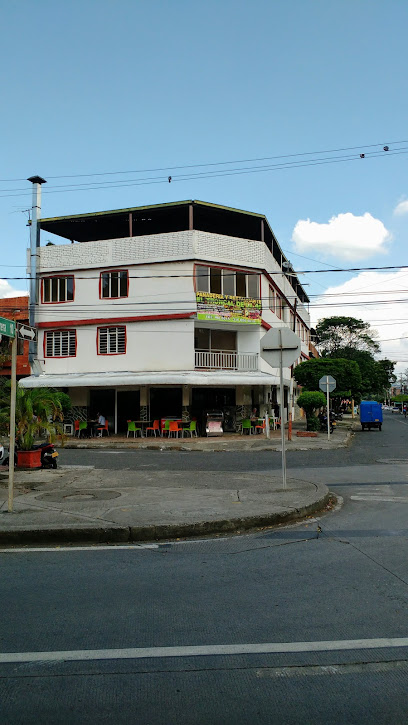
<point>159,311</point>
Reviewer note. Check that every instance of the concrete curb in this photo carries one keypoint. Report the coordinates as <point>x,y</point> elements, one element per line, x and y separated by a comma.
<point>129,534</point>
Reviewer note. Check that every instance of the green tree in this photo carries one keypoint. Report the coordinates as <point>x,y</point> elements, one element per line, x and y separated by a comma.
<point>310,401</point>
<point>345,372</point>
<point>335,334</point>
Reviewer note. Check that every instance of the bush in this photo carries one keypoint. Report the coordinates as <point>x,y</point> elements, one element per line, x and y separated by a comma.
<point>313,423</point>
<point>310,401</point>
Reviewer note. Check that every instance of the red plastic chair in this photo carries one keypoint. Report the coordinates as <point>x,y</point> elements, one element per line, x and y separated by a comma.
<point>175,428</point>
<point>155,427</point>
<point>261,428</point>
<point>103,428</point>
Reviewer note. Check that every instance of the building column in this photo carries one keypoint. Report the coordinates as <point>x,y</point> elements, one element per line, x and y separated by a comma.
<point>186,402</point>
<point>144,404</point>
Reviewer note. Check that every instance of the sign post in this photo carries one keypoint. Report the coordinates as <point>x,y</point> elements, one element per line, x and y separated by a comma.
<point>280,347</point>
<point>327,383</point>
<point>8,328</point>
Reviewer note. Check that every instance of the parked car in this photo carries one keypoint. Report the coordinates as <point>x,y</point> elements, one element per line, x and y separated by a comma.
<point>395,409</point>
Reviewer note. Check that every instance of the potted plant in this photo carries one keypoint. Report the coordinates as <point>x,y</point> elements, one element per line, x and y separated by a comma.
<point>38,410</point>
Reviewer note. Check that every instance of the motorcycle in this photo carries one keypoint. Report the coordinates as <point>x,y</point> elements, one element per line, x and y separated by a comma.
<point>323,422</point>
<point>48,456</point>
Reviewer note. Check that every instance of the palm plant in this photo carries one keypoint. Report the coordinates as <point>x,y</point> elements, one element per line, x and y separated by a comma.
<point>37,410</point>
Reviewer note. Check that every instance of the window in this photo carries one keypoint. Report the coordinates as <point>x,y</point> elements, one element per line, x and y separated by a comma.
<point>60,343</point>
<point>229,282</point>
<point>114,284</point>
<point>272,299</point>
<point>58,289</point>
<point>202,278</point>
<point>214,340</point>
<point>278,308</point>
<point>111,340</point>
<point>253,285</point>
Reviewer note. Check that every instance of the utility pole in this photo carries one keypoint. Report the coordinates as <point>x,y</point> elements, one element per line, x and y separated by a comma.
<point>36,181</point>
<point>12,445</point>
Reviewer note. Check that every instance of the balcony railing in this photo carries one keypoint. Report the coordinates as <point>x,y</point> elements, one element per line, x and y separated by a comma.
<point>226,360</point>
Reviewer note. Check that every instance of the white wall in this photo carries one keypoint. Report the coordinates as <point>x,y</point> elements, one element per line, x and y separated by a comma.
<point>150,346</point>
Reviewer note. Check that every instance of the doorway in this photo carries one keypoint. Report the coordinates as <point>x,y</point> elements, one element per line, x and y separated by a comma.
<point>166,402</point>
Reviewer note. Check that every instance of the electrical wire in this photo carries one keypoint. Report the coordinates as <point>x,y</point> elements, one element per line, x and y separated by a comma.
<point>217,163</point>
<point>270,273</point>
<point>215,174</point>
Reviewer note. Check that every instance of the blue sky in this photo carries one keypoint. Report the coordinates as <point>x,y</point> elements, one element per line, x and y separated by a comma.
<point>97,86</point>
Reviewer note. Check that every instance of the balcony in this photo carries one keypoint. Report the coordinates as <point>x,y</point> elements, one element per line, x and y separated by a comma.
<point>226,360</point>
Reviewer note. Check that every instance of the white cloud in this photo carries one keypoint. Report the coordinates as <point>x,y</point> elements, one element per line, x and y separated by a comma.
<point>381,299</point>
<point>6,290</point>
<point>345,236</point>
<point>401,208</point>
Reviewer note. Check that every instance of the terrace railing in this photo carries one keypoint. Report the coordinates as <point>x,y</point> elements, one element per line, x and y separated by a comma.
<point>226,360</point>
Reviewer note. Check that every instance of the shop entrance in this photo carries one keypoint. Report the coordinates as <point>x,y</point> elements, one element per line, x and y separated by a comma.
<point>207,399</point>
<point>102,400</point>
<point>166,402</point>
<point>128,408</point>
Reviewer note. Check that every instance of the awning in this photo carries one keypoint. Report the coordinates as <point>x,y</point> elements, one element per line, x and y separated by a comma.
<point>117,379</point>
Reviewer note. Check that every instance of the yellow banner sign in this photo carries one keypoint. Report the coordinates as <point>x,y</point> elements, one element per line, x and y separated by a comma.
<point>211,306</point>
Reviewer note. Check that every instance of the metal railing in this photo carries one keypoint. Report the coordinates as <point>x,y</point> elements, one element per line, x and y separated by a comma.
<point>226,360</point>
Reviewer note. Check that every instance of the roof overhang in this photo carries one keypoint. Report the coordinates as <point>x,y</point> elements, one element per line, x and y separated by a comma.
<point>129,379</point>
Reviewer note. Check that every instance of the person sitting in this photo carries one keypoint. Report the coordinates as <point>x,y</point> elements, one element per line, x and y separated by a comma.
<point>100,422</point>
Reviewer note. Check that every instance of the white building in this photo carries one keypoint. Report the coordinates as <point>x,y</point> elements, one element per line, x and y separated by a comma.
<point>159,311</point>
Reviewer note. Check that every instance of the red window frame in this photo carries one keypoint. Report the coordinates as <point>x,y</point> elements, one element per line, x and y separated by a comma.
<point>59,357</point>
<point>106,327</point>
<point>57,276</point>
<point>113,271</point>
<point>232,269</point>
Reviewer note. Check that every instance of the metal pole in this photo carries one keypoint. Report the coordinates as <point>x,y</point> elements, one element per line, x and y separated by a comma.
<point>34,246</point>
<point>327,409</point>
<point>282,412</point>
<point>12,421</point>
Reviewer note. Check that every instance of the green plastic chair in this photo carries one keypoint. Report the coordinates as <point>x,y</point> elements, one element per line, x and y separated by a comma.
<point>166,428</point>
<point>191,429</point>
<point>246,425</point>
<point>82,426</point>
<point>133,429</point>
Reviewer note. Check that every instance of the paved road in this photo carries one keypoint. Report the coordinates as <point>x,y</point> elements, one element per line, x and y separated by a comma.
<point>293,625</point>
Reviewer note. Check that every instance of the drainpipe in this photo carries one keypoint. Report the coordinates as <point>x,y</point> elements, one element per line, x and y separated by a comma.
<point>34,246</point>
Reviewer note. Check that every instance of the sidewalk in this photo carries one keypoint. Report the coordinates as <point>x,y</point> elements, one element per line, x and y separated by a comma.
<point>91,505</point>
<point>228,442</point>
<point>84,504</point>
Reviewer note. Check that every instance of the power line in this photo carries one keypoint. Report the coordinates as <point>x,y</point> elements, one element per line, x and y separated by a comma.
<point>216,163</point>
<point>269,272</point>
<point>214,174</point>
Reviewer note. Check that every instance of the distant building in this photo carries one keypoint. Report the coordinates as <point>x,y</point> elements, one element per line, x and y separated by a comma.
<point>15,308</point>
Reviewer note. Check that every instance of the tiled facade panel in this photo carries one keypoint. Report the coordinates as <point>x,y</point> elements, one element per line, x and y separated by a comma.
<point>221,248</point>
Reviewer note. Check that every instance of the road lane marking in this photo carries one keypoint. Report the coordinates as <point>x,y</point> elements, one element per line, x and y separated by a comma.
<point>222,650</point>
<point>367,497</point>
<point>96,547</point>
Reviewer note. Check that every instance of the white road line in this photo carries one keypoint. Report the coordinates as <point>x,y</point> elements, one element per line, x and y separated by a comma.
<point>96,547</point>
<point>368,498</point>
<point>201,650</point>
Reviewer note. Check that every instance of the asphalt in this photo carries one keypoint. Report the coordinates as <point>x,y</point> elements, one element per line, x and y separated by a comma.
<point>85,504</point>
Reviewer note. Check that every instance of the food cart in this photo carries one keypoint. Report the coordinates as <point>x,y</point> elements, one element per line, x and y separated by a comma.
<point>214,423</point>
